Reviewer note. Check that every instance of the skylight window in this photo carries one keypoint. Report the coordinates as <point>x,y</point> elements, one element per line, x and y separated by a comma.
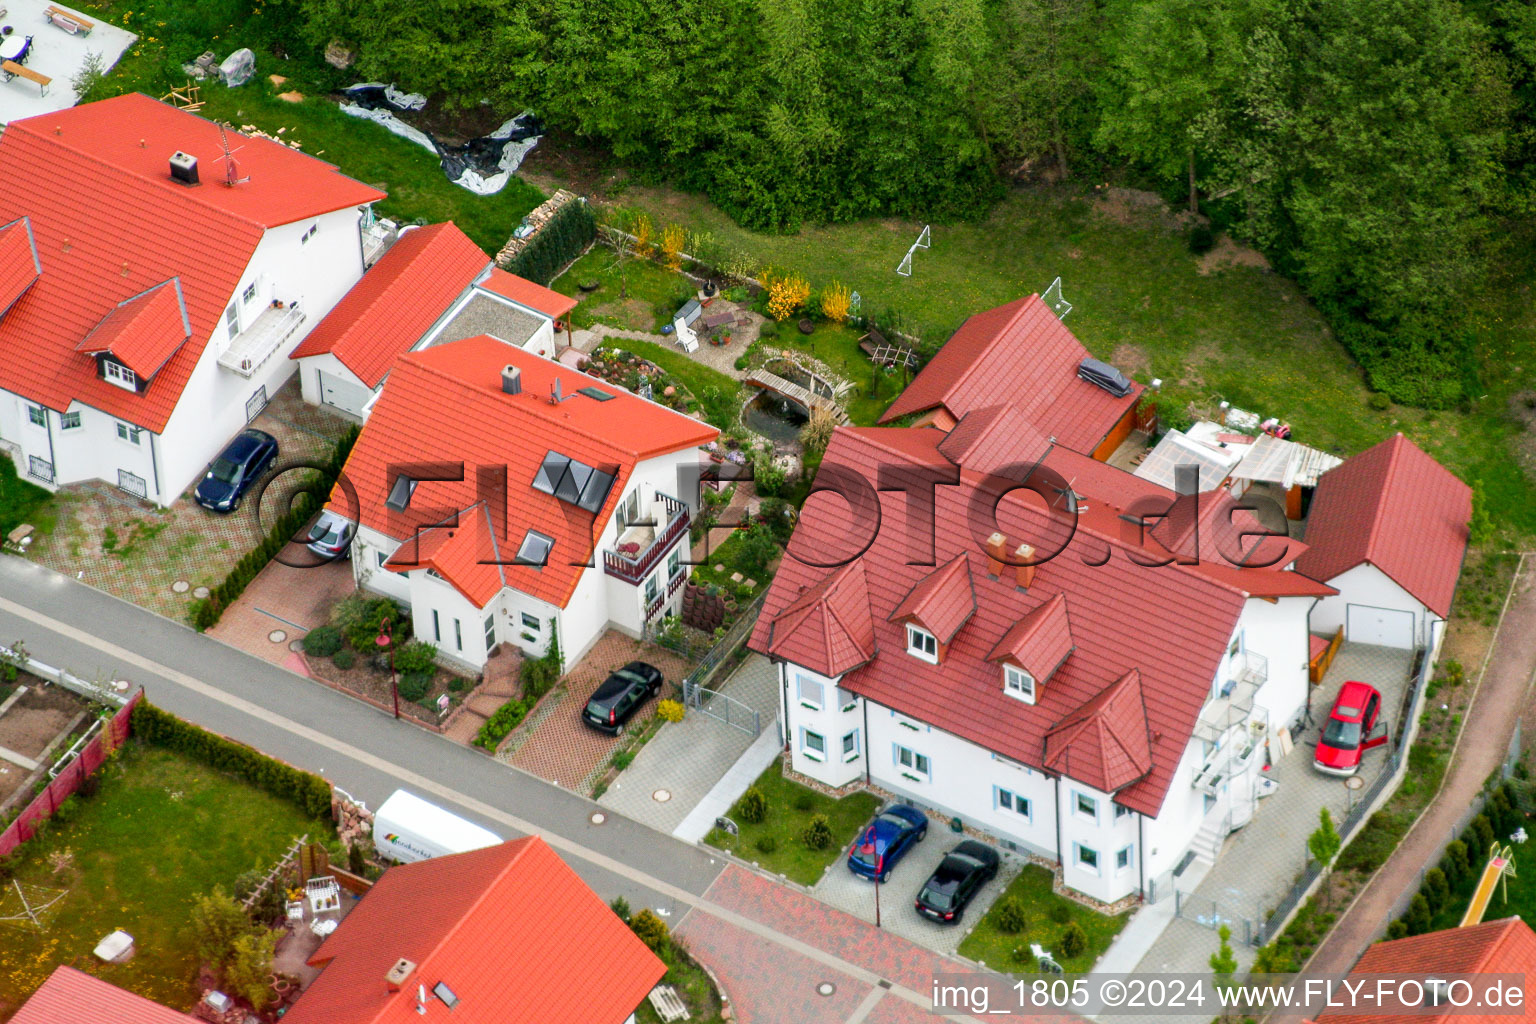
<point>596,394</point>
<point>443,992</point>
<point>400,493</point>
<point>575,483</point>
<point>535,549</point>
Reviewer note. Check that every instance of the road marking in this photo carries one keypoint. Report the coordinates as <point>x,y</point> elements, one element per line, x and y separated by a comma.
<point>864,1008</point>
<point>427,785</point>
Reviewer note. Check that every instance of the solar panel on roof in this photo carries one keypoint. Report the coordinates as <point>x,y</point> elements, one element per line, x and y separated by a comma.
<point>573,482</point>
<point>550,472</point>
<point>596,492</point>
<point>576,476</point>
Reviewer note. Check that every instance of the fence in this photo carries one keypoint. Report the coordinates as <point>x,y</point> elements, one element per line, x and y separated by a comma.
<point>69,778</point>
<point>723,653</point>
<point>1364,806</point>
<point>728,709</point>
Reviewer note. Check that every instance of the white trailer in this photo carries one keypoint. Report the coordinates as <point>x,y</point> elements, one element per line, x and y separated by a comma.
<point>407,828</point>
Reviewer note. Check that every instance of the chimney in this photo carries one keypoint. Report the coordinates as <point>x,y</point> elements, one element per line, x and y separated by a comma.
<point>1024,574</point>
<point>396,978</point>
<point>511,380</point>
<point>997,544</point>
<point>184,168</point>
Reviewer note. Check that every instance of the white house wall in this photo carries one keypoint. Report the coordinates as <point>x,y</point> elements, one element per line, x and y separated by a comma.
<point>1278,631</point>
<point>310,368</point>
<point>316,274</point>
<point>457,628</point>
<point>92,451</point>
<point>1369,586</point>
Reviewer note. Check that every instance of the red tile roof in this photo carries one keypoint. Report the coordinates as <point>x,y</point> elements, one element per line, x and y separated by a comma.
<point>1021,355</point>
<point>1493,947</point>
<point>74,997</point>
<point>458,553</point>
<point>143,332</point>
<point>489,431</point>
<point>1106,742</point>
<point>1039,642</point>
<point>992,438</point>
<point>511,930</point>
<point>1123,615</point>
<point>19,265</point>
<point>942,601</point>
<point>535,296</point>
<point>1397,508</point>
<point>121,226</point>
<point>397,301</point>
<point>827,628</point>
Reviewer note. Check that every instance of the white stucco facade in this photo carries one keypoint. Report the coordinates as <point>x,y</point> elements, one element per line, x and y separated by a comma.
<point>1372,608</point>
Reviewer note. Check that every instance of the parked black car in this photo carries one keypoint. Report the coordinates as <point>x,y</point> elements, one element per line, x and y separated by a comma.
<point>249,455</point>
<point>955,882</point>
<point>612,704</point>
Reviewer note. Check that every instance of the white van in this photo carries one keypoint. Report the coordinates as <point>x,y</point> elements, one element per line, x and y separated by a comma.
<point>407,828</point>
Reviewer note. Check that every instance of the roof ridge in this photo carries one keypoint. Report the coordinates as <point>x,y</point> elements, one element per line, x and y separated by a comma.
<point>1394,454</point>
<point>961,381</point>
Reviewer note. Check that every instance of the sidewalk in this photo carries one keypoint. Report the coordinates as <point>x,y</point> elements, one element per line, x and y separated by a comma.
<point>1504,686</point>
<point>686,760</point>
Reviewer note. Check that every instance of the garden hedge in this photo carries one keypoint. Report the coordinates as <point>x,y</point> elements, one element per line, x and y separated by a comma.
<point>163,729</point>
<point>506,718</point>
<point>205,612</point>
<point>563,237</point>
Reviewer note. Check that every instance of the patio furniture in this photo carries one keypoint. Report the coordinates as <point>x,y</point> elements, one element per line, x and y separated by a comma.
<point>10,69</point>
<point>16,48</point>
<point>324,894</point>
<point>115,948</point>
<point>324,927</point>
<point>295,910</point>
<point>720,319</point>
<point>69,21</point>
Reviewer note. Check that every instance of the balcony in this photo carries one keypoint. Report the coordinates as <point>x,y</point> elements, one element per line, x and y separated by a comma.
<point>641,546</point>
<point>1234,704</point>
<point>261,340</point>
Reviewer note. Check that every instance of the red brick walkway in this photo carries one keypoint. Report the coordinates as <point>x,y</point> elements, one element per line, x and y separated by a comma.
<point>287,599</point>
<point>501,685</point>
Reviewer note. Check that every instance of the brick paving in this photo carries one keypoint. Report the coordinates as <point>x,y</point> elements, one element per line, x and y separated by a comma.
<point>558,747</point>
<point>501,683</point>
<point>292,595</point>
<point>137,552</point>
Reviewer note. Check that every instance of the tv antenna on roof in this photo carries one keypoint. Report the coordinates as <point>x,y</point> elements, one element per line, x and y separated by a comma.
<point>231,169</point>
<point>1052,297</point>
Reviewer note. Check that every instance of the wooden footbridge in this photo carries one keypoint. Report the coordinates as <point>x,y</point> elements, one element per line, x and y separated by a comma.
<point>789,389</point>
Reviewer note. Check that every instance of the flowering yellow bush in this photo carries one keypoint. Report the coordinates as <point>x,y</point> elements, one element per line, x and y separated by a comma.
<point>672,246</point>
<point>645,236</point>
<point>786,295</point>
<point>669,710</point>
<point>835,302</point>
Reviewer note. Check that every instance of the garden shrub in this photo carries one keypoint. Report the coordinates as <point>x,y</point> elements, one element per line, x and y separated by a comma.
<point>163,729</point>
<point>1437,889</point>
<point>414,685</point>
<point>1455,863</point>
<point>1074,941</point>
<point>217,921</point>
<point>805,800</point>
<point>670,710</point>
<point>562,238</point>
<point>361,619</point>
<point>495,729</point>
<point>1418,916</point>
<point>322,641</point>
<point>768,477</point>
<point>1060,913</point>
<point>1012,918</point>
<point>755,548</point>
<point>1201,239</point>
<point>1397,930</point>
<point>1379,401</point>
<point>1485,835</point>
<point>456,683</point>
<point>417,657</point>
<point>267,906</point>
<point>768,330</point>
<point>753,806</point>
<point>766,844</point>
<point>249,971</point>
<point>344,658</point>
<point>620,907</point>
<point>818,832</point>
<point>651,930</point>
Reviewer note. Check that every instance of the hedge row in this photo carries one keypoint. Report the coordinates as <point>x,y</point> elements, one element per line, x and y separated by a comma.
<point>205,612</point>
<point>506,718</point>
<point>562,238</point>
<point>163,729</point>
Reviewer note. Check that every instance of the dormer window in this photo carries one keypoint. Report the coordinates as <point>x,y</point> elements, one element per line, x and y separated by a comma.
<point>1018,684</point>
<point>400,493</point>
<point>535,549</point>
<point>117,373</point>
<point>922,644</point>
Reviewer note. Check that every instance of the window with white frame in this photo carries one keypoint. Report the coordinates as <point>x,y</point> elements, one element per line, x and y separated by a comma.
<point>232,319</point>
<point>913,765</point>
<point>38,416</point>
<point>117,373</point>
<point>1086,806</point>
<point>490,631</point>
<point>1018,683</point>
<point>128,433</point>
<point>851,746</point>
<point>629,509</point>
<point>1123,858</point>
<point>531,622</point>
<point>249,295</point>
<point>847,700</point>
<point>458,635</point>
<point>922,644</point>
<point>809,692</point>
<point>70,420</point>
<point>437,627</point>
<point>652,588</point>
<point>1121,811</point>
<point>1086,857</point>
<point>675,564</point>
<point>813,745</point>
<point>382,557</point>
<point>1008,800</point>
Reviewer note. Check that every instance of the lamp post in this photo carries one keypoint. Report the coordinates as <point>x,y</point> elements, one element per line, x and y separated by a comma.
<point>385,640</point>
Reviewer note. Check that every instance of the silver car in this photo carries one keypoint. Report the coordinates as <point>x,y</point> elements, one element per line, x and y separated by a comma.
<point>331,536</point>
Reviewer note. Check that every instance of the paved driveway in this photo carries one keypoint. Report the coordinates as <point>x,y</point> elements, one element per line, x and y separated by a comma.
<point>286,600</point>
<point>853,895</point>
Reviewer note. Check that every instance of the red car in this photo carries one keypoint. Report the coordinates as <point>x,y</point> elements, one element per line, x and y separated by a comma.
<point>1348,733</point>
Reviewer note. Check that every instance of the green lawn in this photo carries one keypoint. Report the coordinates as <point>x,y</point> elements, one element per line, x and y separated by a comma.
<point>719,394</point>
<point>691,983</point>
<point>640,296</point>
<point>726,550</point>
<point>160,831</point>
<point>22,502</point>
<point>837,345</point>
<point>1048,916</point>
<point>790,806</point>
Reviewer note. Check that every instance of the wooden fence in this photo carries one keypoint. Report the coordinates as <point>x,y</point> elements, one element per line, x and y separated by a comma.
<point>1320,664</point>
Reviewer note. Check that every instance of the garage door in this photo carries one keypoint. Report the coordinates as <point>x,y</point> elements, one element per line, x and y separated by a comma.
<point>1385,627</point>
<point>343,394</point>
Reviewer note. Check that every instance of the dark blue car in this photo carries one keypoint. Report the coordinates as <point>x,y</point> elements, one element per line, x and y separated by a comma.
<point>249,455</point>
<point>884,841</point>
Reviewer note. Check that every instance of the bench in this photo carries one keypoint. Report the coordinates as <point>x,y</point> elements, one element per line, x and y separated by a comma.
<point>69,21</point>
<point>14,70</point>
<point>669,1006</point>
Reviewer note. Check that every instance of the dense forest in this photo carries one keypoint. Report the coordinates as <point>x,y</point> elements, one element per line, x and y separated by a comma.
<point>1375,151</point>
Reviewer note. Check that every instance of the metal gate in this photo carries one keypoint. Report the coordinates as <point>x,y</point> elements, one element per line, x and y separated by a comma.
<point>256,403</point>
<point>727,709</point>
<point>134,485</point>
<point>1208,913</point>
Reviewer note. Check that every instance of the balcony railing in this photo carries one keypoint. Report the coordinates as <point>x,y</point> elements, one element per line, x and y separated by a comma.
<point>634,568</point>
<point>259,342</point>
<point>1233,704</point>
